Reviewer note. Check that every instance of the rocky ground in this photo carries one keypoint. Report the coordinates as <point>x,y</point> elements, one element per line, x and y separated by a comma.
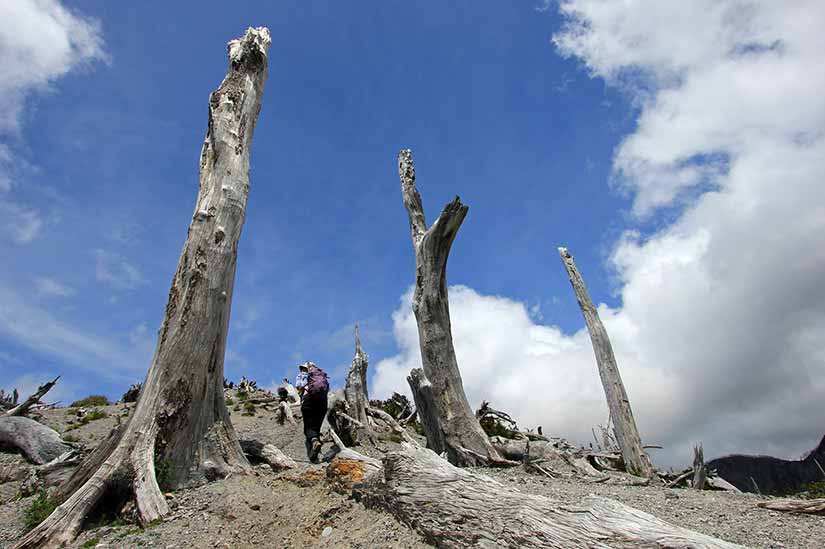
<point>298,508</point>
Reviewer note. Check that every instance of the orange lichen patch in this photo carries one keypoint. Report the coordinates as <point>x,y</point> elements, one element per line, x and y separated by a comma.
<point>306,477</point>
<point>342,474</point>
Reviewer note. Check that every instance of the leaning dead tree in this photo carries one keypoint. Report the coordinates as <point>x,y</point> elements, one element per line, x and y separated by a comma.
<point>181,417</point>
<point>457,508</point>
<point>449,424</point>
<point>636,459</point>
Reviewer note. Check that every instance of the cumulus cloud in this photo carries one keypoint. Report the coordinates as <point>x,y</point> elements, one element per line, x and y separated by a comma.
<point>718,336</point>
<point>40,41</point>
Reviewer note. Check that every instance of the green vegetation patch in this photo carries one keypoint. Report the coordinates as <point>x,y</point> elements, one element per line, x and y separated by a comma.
<point>41,507</point>
<point>91,400</point>
<point>816,490</point>
<point>248,409</point>
<point>91,543</point>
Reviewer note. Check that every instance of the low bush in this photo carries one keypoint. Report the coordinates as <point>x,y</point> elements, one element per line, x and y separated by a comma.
<point>248,409</point>
<point>816,490</point>
<point>41,507</point>
<point>91,400</point>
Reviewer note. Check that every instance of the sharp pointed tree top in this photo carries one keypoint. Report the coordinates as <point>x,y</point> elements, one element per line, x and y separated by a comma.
<point>253,45</point>
<point>357,341</point>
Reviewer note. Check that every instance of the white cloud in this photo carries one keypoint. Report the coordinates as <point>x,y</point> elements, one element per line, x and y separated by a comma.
<point>49,287</point>
<point>718,337</point>
<point>40,41</point>
<point>39,329</point>
<point>116,272</point>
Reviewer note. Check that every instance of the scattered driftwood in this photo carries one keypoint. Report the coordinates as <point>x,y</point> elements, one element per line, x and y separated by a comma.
<point>23,407</point>
<point>180,416</point>
<point>808,506</point>
<point>457,508</point>
<point>269,454</point>
<point>450,425</point>
<point>53,473</point>
<point>38,443</point>
<point>392,424</point>
<point>718,483</point>
<point>636,459</point>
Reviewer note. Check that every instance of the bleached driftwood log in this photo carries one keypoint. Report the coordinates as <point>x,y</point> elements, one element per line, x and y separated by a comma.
<point>24,406</point>
<point>809,506</point>
<point>181,415</point>
<point>636,459</point>
<point>452,428</point>
<point>268,453</point>
<point>38,443</point>
<point>457,508</point>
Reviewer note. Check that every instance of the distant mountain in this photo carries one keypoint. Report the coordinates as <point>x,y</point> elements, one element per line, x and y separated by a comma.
<point>773,476</point>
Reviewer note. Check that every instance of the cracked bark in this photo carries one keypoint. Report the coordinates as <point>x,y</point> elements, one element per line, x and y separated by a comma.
<point>451,426</point>
<point>181,418</point>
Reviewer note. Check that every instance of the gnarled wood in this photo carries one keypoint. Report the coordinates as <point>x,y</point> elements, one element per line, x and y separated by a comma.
<point>457,508</point>
<point>181,415</point>
<point>23,407</point>
<point>455,429</point>
<point>38,443</point>
<point>624,426</point>
<point>700,473</point>
<point>809,506</point>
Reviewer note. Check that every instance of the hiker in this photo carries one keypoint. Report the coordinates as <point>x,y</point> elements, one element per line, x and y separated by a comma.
<point>313,387</point>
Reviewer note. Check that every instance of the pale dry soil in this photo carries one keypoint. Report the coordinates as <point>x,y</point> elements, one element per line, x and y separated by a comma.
<point>297,509</point>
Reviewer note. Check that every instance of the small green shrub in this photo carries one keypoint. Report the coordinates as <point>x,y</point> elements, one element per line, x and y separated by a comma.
<point>93,416</point>
<point>91,400</point>
<point>392,437</point>
<point>163,473</point>
<point>40,508</point>
<point>70,437</point>
<point>229,401</point>
<point>248,409</point>
<point>90,543</point>
<point>242,395</point>
<point>816,490</point>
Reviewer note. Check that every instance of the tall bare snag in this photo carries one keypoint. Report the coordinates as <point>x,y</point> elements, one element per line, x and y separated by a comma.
<point>449,422</point>
<point>181,419</point>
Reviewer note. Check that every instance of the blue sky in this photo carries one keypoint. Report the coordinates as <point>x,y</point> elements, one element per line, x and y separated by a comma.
<point>558,124</point>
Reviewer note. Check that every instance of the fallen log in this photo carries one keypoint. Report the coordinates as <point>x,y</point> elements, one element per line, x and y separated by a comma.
<point>268,453</point>
<point>38,443</point>
<point>23,407</point>
<point>456,508</point>
<point>809,506</point>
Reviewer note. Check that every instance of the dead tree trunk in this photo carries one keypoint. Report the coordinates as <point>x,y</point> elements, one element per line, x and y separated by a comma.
<point>457,508</point>
<point>453,429</point>
<point>21,409</point>
<point>699,470</point>
<point>624,426</point>
<point>355,390</point>
<point>181,417</point>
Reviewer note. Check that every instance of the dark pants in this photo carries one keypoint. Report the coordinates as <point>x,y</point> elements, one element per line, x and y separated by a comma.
<point>313,409</point>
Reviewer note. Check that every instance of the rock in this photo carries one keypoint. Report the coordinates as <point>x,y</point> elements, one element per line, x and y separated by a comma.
<point>327,532</point>
<point>255,507</point>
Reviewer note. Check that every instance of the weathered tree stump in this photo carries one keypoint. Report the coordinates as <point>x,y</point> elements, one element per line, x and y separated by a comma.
<point>451,427</point>
<point>181,417</point>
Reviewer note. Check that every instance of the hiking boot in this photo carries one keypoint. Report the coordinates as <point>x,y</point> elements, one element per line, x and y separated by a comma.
<point>316,449</point>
